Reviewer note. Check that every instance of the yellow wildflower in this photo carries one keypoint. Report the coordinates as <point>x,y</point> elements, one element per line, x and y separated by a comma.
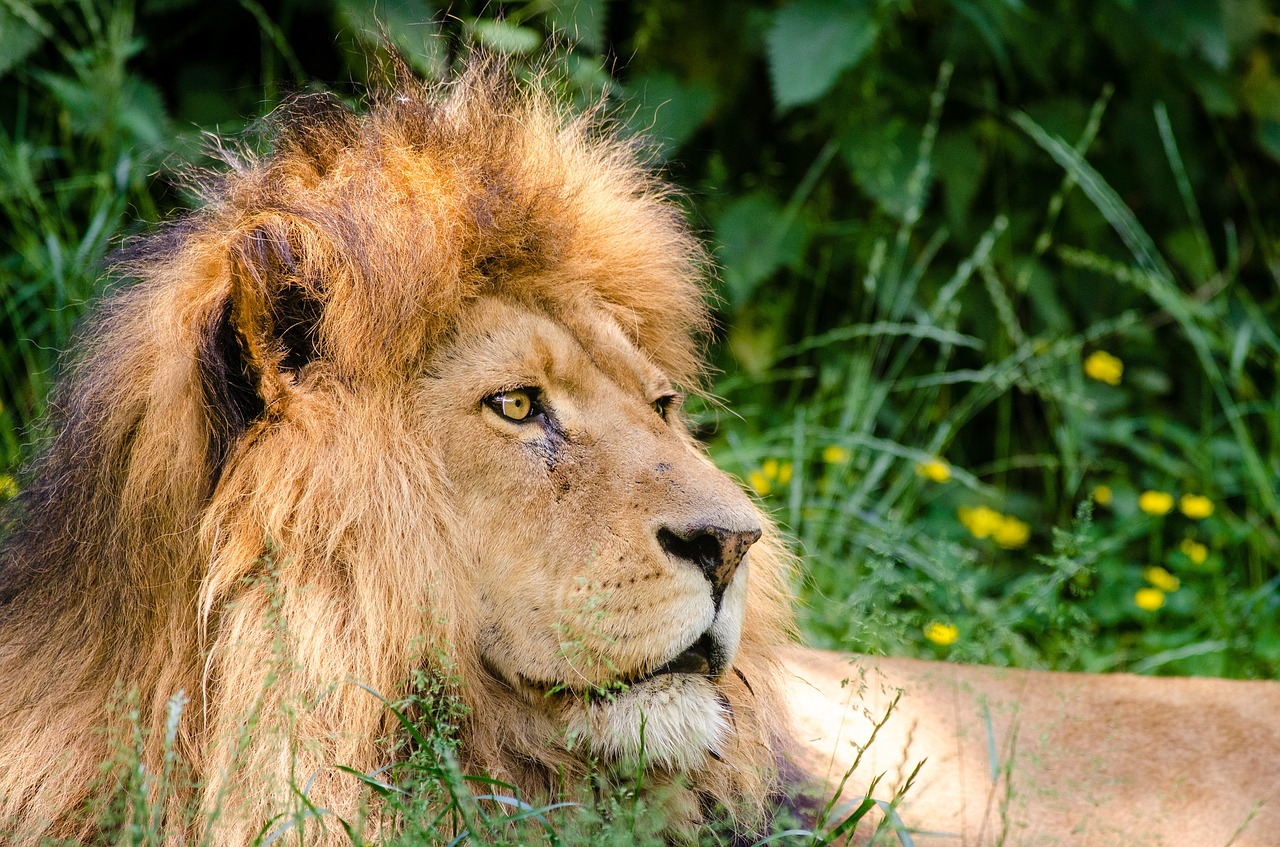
<point>1155,502</point>
<point>1011,533</point>
<point>1162,579</point>
<point>985,522</point>
<point>770,468</point>
<point>981,521</point>
<point>942,634</point>
<point>8,487</point>
<point>785,471</point>
<point>759,483</point>
<point>1196,506</point>
<point>1194,550</point>
<point>1103,367</point>
<point>834,454</point>
<point>934,469</point>
<point>1102,495</point>
<point>1148,599</point>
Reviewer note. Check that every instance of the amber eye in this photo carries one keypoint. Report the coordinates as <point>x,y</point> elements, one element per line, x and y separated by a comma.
<point>514,405</point>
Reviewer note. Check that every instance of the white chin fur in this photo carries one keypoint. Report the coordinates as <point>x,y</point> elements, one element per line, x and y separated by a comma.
<point>672,721</point>
<point>669,722</point>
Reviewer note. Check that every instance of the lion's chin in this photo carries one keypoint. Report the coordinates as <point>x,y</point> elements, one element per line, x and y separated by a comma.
<point>673,722</point>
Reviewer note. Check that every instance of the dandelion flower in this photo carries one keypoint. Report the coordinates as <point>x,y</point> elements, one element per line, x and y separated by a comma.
<point>1162,579</point>
<point>759,483</point>
<point>1194,550</point>
<point>1148,599</point>
<point>1103,367</point>
<point>942,634</point>
<point>771,471</point>
<point>934,469</point>
<point>785,472</point>
<point>834,454</point>
<point>1102,495</point>
<point>1196,506</point>
<point>981,521</point>
<point>1155,502</point>
<point>1011,533</point>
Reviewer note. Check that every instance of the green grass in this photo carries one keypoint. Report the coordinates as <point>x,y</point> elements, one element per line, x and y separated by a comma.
<point>78,140</point>
<point>939,398</point>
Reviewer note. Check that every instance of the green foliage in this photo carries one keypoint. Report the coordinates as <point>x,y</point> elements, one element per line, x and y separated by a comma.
<point>812,42</point>
<point>77,139</point>
<point>925,235</point>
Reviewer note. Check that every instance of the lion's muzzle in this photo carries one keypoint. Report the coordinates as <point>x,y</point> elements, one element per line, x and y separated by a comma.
<point>714,550</point>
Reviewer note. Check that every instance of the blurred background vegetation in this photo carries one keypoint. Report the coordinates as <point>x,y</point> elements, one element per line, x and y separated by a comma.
<point>998,289</point>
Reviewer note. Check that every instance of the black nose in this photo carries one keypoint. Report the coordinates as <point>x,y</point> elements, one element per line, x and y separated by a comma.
<point>714,550</point>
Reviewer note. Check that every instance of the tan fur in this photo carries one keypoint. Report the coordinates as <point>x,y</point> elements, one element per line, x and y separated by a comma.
<point>1021,758</point>
<point>275,476</point>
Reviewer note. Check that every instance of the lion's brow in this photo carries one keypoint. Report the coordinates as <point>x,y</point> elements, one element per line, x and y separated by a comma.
<point>606,346</point>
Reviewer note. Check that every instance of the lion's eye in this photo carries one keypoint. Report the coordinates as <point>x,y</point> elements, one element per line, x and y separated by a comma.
<point>518,404</point>
<point>667,403</point>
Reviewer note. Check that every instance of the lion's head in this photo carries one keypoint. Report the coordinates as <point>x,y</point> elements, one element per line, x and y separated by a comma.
<point>403,394</point>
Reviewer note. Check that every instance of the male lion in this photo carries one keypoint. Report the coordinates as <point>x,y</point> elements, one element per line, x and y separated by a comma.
<point>402,398</point>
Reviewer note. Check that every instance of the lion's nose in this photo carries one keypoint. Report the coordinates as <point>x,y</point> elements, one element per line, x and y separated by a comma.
<point>714,550</point>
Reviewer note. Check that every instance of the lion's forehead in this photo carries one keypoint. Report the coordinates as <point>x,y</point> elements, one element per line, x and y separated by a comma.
<point>574,346</point>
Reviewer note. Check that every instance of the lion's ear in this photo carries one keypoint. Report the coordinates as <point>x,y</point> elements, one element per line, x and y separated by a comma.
<point>263,334</point>
<point>276,297</point>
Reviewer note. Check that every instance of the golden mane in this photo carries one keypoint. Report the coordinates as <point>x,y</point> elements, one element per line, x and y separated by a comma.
<point>198,524</point>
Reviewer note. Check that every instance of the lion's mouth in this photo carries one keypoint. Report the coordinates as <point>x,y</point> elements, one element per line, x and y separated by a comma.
<point>703,657</point>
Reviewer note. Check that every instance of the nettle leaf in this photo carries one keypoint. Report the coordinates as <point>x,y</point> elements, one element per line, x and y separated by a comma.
<point>408,24</point>
<point>1269,138</point>
<point>136,107</point>
<point>581,21</point>
<point>812,42</point>
<point>1187,29</point>
<point>1188,250</point>
<point>587,77</point>
<point>18,39</point>
<point>1217,94</point>
<point>757,237</point>
<point>670,111</point>
<point>506,38</point>
<point>881,156</point>
<point>959,165</point>
<point>141,111</point>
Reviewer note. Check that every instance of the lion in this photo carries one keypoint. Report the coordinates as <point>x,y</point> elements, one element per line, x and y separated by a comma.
<point>401,396</point>
<point>401,399</point>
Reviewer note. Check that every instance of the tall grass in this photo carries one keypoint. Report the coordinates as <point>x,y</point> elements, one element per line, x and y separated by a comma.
<point>958,483</point>
<point>76,148</point>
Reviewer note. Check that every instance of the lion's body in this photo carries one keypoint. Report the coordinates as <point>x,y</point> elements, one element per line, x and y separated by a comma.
<point>398,400</point>
<point>1024,758</point>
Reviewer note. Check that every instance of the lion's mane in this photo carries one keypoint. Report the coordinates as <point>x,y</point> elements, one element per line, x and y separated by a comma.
<point>195,527</point>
